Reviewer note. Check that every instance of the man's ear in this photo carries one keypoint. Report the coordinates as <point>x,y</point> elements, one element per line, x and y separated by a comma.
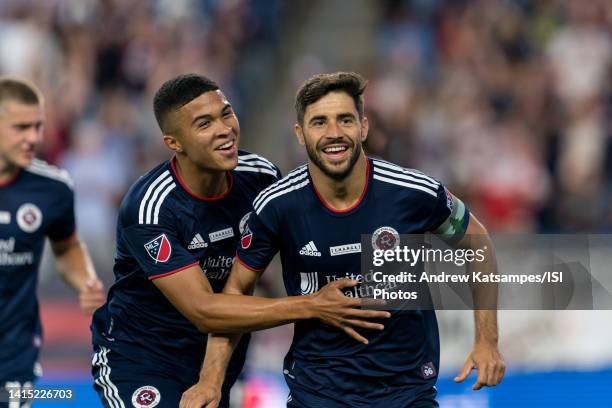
<point>173,143</point>
<point>299,133</point>
<point>365,127</point>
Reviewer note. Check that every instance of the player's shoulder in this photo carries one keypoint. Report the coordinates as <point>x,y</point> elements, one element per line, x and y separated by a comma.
<point>51,176</point>
<point>144,201</point>
<point>284,190</point>
<point>251,165</point>
<point>403,180</point>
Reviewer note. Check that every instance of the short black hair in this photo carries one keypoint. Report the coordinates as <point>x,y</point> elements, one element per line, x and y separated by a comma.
<point>320,85</point>
<point>178,92</point>
<point>19,90</point>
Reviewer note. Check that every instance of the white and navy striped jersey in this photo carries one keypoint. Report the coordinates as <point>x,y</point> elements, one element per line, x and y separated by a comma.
<point>318,245</point>
<point>163,229</point>
<point>37,203</point>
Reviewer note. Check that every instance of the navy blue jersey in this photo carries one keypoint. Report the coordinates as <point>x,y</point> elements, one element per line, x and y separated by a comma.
<point>37,203</point>
<point>319,245</point>
<point>163,229</point>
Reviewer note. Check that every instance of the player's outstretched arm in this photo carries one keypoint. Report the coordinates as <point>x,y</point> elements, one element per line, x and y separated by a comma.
<point>219,348</point>
<point>485,356</point>
<point>190,292</point>
<point>329,305</point>
<point>74,265</point>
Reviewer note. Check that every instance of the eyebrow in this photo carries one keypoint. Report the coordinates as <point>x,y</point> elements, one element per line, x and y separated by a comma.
<point>318,117</point>
<point>28,124</point>
<point>197,118</point>
<point>339,116</point>
<point>209,116</point>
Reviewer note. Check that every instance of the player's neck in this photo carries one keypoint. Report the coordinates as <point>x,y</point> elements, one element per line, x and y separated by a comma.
<point>341,194</point>
<point>202,183</point>
<point>8,172</point>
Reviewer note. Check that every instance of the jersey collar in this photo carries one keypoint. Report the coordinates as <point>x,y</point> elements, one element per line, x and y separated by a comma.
<point>12,179</point>
<point>357,203</point>
<point>230,184</point>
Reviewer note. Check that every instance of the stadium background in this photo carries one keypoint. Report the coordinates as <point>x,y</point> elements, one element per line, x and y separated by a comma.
<point>508,102</point>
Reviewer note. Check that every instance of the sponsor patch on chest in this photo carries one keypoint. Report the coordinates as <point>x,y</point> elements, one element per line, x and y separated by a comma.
<point>221,234</point>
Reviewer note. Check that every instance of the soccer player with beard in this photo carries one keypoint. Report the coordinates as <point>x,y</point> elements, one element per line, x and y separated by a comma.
<point>177,233</point>
<point>315,217</point>
<point>36,202</point>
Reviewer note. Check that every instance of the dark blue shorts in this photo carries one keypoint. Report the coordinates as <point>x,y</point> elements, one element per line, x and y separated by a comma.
<point>301,398</point>
<point>121,383</point>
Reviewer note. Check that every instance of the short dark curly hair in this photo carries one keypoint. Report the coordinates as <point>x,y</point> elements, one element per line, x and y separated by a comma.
<point>178,92</point>
<point>320,85</point>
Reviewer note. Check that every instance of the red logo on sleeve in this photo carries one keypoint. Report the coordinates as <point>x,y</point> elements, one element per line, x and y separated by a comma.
<point>247,237</point>
<point>159,248</point>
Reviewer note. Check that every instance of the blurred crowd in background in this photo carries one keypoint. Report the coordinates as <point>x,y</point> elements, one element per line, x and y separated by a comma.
<point>99,64</point>
<point>507,102</point>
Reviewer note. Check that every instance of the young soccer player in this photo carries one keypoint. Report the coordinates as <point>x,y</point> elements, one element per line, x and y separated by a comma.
<point>36,202</point>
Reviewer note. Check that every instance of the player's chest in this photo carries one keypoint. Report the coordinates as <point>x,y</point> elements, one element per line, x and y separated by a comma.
<point>210,234</point>
<point>320,248</point>
<point>24,214</point>
<point>318,238</point>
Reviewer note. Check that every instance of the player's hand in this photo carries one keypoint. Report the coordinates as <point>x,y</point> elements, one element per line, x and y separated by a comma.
<point>201,395</point>
<point>92,296</point>
<point>331,306</point>
<point>487,359</point>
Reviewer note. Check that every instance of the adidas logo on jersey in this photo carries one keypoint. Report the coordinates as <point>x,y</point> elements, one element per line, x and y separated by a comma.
<point>197,242</point>
<point>310,250</point>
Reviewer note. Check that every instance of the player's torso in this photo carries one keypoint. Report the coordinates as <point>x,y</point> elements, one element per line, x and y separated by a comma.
<point>27,208</point>
<point>31,206</point>
<point>210,230</point>
<point>138,320</point>
<point>206,230</point>
<point>320,245</point>
<point>317,239</point>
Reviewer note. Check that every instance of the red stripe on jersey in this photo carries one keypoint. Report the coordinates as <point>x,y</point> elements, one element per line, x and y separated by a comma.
<point>230,183</point>
<point>247,266</point>
<point>10,179</point>
<point>352,207</point>
<point>161,275</point>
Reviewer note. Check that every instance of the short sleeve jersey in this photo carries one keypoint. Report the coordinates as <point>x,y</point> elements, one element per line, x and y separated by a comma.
<point>318,245</point>
<point>37,204</point>
<point>163,229</point>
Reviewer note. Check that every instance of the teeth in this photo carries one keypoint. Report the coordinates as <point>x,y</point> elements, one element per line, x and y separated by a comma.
<point>226,145</point>
<point>334,149</point>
